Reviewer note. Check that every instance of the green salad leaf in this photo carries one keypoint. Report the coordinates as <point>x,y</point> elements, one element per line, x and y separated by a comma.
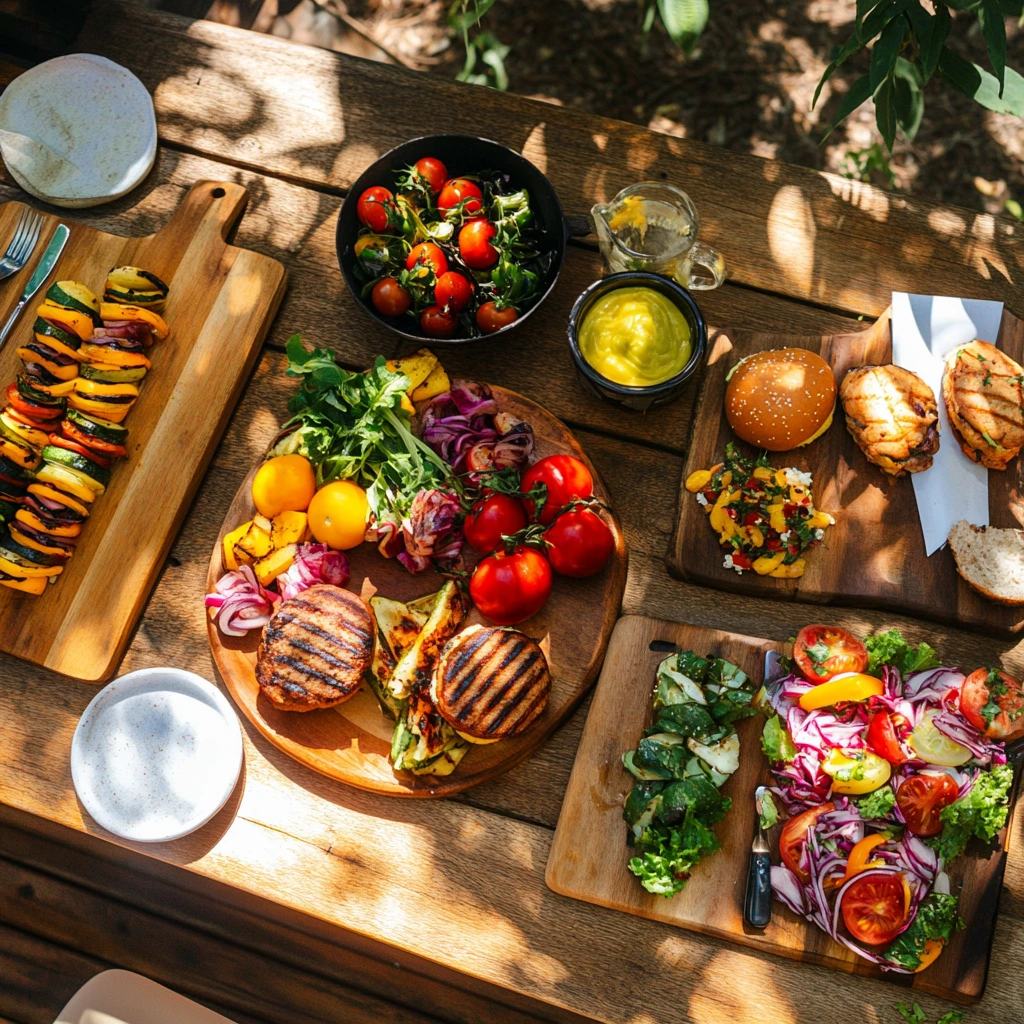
<point>936,919</point>
<point>877,804</point>
<point>666,854</point>
<point>776,742</point>
<point>890,648</point>
<point>769,812</point>
<point>981,813</point>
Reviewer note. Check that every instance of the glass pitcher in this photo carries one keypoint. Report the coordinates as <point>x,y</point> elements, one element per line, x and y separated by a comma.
<point>653,227</point>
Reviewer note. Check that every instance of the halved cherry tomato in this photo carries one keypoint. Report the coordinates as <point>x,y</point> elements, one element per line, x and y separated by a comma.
<point>822,652</point>
<point>508,588</point>
<point>992,702</point>
<point>390,298</point>
<point>579,543</point>
<point>458,189</point>
<point>852,687</point>
<point>475,244</point>
<point>94,444</point>
<point>492,518</point>
<point>490,319</point>
<point>882,738</point>
<point>875,906</point>
<point>438,322</point>
<point>427,254</point>
<point>793,838</point>
<point>433,172</point>
<point>453,291</point>
<point>374,206</point>
<point>62,442</point>
<point>922,797</point>
<point>860,856</point>
<point>565,478</point>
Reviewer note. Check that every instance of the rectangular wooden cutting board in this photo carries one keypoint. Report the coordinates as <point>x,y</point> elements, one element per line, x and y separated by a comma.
<point>221,302</point>
<point>874,556</point>
<point>589,855</point>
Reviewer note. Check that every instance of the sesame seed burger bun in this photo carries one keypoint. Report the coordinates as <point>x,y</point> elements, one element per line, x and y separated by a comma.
<point>780,399</point>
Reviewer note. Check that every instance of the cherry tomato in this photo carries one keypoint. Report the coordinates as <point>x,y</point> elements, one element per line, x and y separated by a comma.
<point>921,797</point>
<point>438,322</point>
<point>508,588</point>
<point>565,477</point>
<point>433,172</point>
<point>882,738</point>
<point>822,652</point>
<point>875,906</point>
<point>390,298</point>
<point>992,702</point>
<point>427,254</point>
<point>492,518</point>
<point>579,542</point>
<point>62,442</point>
<point>793,839</point>
<point>453,291</point>
<point>458,189</point>
<point>490,319</point>
<point>475,244</point>
<point>373,207</point>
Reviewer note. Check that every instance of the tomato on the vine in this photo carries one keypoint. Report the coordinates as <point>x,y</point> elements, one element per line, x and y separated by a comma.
<point>491,518</point>
<point>508,588</point>
<point>458,189</point>
<point>438,322</point>
<point>427,254</point>
<point>390,298</point>
<point>822,652</point>
<point>453,291</point>
<point>993,703</point>
<point>579,543</point>
<point>793,839</point>
<point>874,907</point>
<point>882,738</point>
<point>920,799</point>
<point>565,478</point>
<point>373,206</point>
<point>433,172</point>
<point>475,244</point>
<point>490,319</point>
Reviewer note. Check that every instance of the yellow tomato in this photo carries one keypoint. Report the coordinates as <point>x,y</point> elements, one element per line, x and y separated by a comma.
<point>935,747</point>
<point>855,686</point>
<point>858,772</point>
<point>284,484</point>
<point>338,513</point>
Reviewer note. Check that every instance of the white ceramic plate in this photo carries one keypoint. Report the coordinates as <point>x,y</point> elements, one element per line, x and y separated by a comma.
<point>156,754</point>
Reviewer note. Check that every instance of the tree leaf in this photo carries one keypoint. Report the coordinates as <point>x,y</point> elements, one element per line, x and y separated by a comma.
<point>858,93</point>
<point>977,83</point>
<point>864,7</point>
<point>932,32</point>
<point>842,54</point>
<point>993,31</point>
<point>684,20</point>
<point>880,17</point>
<point>909,96</point>
<point>886,50</point>
<point>650,10</point>
<point>885,111</point>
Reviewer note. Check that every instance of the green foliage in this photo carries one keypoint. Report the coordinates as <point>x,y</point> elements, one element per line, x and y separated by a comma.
<point>877,804</point>
<point>890,648</point>
<point>981,813</point>
<point>859,164</point>
<point>936,920</point>
<point>684,20</point>
<point>482,47</point>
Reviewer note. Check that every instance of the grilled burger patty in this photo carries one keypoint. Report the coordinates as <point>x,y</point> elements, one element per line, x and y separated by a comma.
<point>315,649</point>
<point>491,683</point>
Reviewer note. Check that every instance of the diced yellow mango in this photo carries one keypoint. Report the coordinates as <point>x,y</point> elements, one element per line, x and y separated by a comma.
<point>729,529</point>
<point>698,481</point>
<point>256,541</point>
<point>762,473</point>
<point>263,523</point>
<point>754,535</point>
<point>777,519</point>
<point>269,568</point>
<point>797,494</point>
<point>820,520</point>
<point>416,367</point>
<point>727,478</point>
<point>766,563</point>
<point>437,383</point>
<point>230,540</point>
<point>289,528</point>
<point>718,511</point>
<point>789,572</point>
<point>780,478</point>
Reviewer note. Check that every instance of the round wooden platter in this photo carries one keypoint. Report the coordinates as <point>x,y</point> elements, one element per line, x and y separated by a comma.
<point>351,742</point>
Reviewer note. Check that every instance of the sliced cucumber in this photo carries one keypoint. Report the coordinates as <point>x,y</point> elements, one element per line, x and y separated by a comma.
<point>79,463</point>
<point>73,295</point>
<point>102,429</point>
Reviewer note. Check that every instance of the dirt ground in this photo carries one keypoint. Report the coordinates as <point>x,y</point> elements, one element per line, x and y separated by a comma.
<point>747,87</point>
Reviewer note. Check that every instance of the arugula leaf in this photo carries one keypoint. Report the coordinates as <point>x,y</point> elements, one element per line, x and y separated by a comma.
<point>666,854</point>
<point>936,919</point>
<point>877,804</point>
<point>981,813</point>
<point>776,742</point>
<point>890,648</point>
<point>912,1014</point>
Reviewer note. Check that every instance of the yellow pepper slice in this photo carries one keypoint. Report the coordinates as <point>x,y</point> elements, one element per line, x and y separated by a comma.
<point>858,860</point>
<point>698,481</point>
<point>930,953</point>
<point>766,563</point>
<point>855,686</point>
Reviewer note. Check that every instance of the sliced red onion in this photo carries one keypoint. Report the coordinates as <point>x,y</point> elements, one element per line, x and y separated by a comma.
<point>241,602</point>
<point>314,563</point>
<point>955,727</point>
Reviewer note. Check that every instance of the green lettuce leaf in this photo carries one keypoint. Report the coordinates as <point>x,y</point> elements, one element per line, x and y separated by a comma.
<point>666,855</point>
<point>981,813</point>
<point>936,919</point>
<point>877,804</point>
<point>776,742</point>
<point>890,648</point>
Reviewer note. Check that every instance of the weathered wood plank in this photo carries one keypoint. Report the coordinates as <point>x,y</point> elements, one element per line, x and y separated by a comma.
<point>319,118</point>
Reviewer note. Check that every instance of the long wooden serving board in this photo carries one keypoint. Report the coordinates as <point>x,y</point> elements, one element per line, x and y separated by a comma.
<point>220,306</point>
<point>351,742</point>
<point>589,855</point>
<point>874,556</point>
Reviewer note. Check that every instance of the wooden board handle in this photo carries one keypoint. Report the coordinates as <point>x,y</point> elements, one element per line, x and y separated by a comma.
<point>217,202</point>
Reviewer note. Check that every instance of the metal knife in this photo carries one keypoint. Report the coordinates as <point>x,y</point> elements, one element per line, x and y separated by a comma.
<point>39,275</point>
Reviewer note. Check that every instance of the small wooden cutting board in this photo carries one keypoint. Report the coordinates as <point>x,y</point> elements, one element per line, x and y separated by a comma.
<point>874,556</point>
<point>220,306</point>
<point>589,856</point>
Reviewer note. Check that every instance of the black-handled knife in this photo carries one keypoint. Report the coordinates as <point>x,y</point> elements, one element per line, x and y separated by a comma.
<point>757,902</point>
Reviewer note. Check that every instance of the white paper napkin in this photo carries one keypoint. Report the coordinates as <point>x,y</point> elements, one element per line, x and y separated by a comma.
<point>925,328</point>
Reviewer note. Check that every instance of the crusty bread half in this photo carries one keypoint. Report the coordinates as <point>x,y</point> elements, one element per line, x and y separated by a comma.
<point>991,560</point>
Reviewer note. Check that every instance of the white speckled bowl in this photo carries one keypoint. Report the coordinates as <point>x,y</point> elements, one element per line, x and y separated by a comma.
<point>156,754</point>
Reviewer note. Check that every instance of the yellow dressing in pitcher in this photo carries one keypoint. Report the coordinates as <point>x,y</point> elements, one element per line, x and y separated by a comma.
<point>635,336</point>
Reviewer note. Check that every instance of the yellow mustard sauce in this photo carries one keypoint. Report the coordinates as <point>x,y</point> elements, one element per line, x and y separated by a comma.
<point>635,336</point>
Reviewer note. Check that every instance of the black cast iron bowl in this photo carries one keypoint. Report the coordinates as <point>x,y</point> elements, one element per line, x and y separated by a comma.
<point>461,155</point>
<point>638,398</point>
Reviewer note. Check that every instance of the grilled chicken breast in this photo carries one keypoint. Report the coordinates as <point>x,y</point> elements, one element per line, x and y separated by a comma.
<point>982,389</point>
<point>892,416</point>
<point>315,649</point>
<point>491,683</point>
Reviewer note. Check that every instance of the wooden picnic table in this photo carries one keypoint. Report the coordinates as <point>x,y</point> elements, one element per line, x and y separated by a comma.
<point>307,901</point>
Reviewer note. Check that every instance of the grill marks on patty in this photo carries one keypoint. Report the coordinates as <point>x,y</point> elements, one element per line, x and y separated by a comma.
<point>315,649</point>
<point>492,683</point>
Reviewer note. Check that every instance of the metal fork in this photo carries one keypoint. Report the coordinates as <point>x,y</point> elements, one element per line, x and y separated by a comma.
<point>26,234</point>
